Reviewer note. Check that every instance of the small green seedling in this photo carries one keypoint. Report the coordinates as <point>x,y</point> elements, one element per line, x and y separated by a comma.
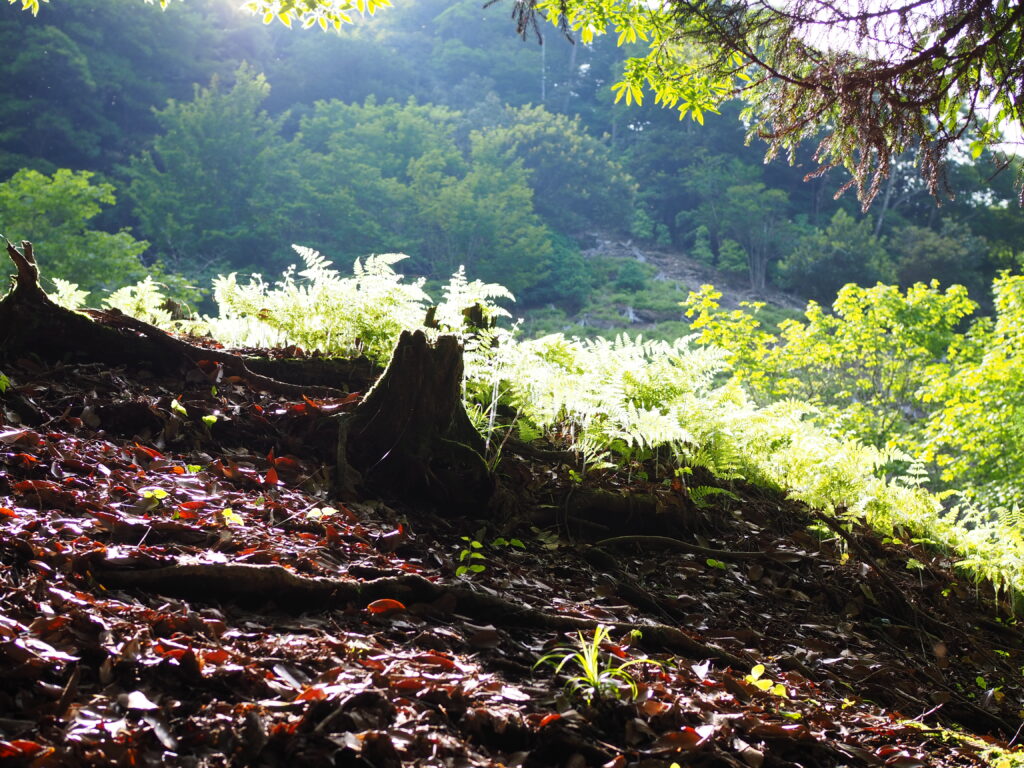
<point>178,408</point>
<point>231,517</point>
<point>503,542</point>
<point>596,677</point>
<point>470,557</point>
<point>756,679</point>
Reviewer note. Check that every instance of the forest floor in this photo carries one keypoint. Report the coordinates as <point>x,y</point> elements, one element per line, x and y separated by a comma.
<point>177,587</point>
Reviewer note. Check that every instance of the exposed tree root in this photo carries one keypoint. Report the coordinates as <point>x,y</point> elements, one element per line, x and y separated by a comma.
<point>32,324</point>
<point>272,582</point>
<point>696,549</point>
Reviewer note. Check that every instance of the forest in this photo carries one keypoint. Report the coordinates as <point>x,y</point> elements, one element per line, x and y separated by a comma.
<point>360,387</point>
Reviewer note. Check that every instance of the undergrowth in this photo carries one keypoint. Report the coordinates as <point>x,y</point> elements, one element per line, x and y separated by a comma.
<point>617,402</point>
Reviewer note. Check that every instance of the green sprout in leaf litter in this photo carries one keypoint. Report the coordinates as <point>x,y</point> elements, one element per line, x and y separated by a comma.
<point>596,678</point>
<point>756,679</point>
<point>468,554</point>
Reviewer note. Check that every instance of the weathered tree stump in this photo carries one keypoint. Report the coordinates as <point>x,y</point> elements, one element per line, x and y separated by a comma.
<point>411,437</point>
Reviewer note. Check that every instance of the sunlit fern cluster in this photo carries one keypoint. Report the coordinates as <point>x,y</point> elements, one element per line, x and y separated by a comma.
<point>616,402</point>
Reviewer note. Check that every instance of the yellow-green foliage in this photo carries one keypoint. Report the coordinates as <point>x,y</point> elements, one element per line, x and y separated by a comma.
<point>144,301</point>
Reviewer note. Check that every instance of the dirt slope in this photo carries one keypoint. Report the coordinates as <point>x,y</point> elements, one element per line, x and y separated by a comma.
<point>181,590</point>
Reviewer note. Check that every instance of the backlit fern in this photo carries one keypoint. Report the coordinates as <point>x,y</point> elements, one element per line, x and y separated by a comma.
<point>614,402</point>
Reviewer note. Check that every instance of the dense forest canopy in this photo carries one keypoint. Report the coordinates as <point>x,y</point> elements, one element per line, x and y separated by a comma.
<point>91,96</point>
<point>866,83</point>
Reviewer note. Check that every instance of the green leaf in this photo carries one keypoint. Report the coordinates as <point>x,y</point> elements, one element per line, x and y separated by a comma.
<point>231,517</point>
<point>178,408</point>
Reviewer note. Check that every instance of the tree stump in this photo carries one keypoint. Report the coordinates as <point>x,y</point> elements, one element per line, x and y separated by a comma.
<point>411,438</point>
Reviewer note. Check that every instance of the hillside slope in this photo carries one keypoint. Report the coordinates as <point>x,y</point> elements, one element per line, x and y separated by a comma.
<point>178,589</point>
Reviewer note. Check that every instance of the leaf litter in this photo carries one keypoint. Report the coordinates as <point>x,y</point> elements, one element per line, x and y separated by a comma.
<point>129,474</point>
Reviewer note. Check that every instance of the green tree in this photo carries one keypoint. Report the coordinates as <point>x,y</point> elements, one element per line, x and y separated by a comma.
<point>486,221</point>
<point>574,178</point>
<point>823,260</point>
<point>54,212</point>
<point>976,430</point>
<point>864,364</point>
<point>755,217</point>
<point>912,75</point>
<point>207,194</point>
<point>393,177</point>
<point>81,79</point>
<point>948,254</point>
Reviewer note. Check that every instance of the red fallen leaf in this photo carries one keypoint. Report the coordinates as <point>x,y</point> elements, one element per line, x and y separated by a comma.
<point>148,451</point>
<point>313,693</point>
<point>229,471</point>
<point>373,664</point>
<point>26,486</point>
<point>216,656</point>
<point>408,683</point>
<point>271,478</point>
<point>549,719</point>
<point>285,729</point>
<point>615,650</point>
<point>351,398</point>
<point>385,606</point>
<point>311,403</point>
<point>26,460</point>
<point>686,739</point>
<point>286,463</point>
<point>20,748</point>
<point>5,512</point>
<point>169,649</point>
<point>178,470</point>
<point>298,408</point>
<point>348,513</point>
<point>436,660</point>
<point>193,505</point>
<point>653,707</point>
